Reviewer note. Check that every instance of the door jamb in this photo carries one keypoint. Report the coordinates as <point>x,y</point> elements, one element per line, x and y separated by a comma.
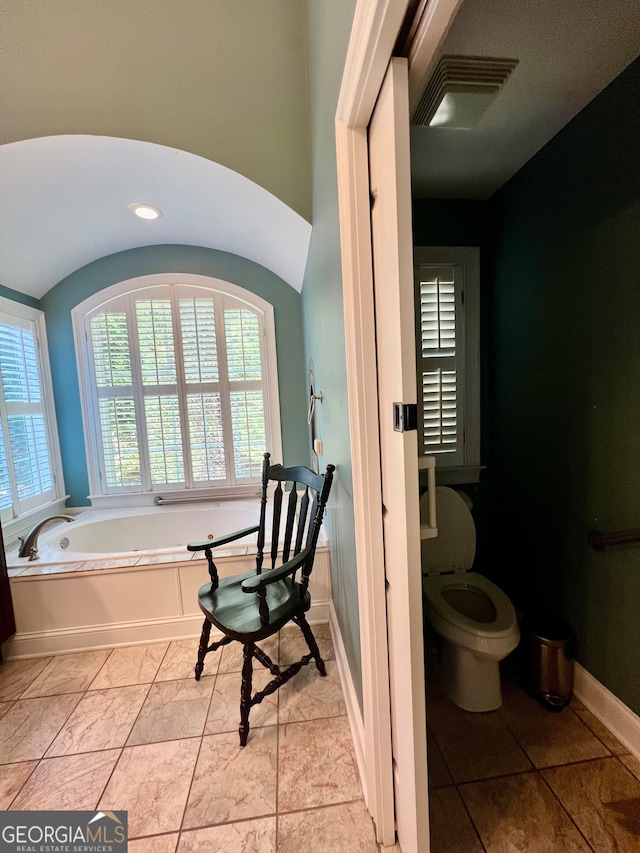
<point>374,32</point>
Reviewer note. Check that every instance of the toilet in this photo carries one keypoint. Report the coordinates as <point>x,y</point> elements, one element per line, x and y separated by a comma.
<point>475,619</point>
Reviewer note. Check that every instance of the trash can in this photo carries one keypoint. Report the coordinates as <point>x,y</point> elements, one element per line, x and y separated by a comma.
<point>548,660</point>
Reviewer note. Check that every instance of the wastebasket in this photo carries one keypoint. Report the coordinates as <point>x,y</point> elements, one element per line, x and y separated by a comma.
<point>548,649</point>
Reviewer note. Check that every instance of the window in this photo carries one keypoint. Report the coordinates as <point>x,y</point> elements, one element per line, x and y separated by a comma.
<point>448,360</point>
<point>30,469</point>
<point>180,386</point>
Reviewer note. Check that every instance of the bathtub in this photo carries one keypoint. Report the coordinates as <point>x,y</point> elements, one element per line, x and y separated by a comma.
<point>119,577</point>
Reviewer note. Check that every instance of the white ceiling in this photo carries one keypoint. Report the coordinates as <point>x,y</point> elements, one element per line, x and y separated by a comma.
<point>568,51</point>
<point>65,202</point>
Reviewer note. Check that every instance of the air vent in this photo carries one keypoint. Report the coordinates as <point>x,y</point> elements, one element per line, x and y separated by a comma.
<point>461,89</point>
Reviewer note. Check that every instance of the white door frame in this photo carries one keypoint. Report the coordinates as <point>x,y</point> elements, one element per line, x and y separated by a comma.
<point>375,29</point>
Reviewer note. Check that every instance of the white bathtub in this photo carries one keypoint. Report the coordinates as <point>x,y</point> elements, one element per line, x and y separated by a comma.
<point>105,534</point>
<point>114,577</point>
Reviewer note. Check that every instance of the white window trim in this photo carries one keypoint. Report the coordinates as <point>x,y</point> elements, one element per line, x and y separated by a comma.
<point>469,258</point>
<point>21,524</point>
<point>85,375</point>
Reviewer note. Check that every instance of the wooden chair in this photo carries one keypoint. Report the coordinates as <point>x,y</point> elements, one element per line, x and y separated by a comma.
<point>255,605</point>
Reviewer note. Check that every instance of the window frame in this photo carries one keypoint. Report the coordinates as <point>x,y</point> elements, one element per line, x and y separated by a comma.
<point>133,496</point>
<point>14,521</point>
<point>466,260</point>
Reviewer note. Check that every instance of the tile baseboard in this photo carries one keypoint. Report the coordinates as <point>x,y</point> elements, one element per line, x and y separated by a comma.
<point>614,714</point>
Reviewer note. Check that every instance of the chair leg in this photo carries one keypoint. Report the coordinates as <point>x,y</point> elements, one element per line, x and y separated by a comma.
<point>202,648</point>
<point>245,692</point>
<point>311,642</point>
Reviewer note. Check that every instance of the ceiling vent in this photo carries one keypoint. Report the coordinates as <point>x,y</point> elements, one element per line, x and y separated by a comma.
<point>461,89</point>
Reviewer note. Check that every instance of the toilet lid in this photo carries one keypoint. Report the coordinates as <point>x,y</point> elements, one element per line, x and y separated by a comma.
<point>454,548</point>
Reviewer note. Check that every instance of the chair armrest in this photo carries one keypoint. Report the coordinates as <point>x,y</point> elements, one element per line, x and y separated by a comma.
<point>222,540</point>
<point>254,583</point>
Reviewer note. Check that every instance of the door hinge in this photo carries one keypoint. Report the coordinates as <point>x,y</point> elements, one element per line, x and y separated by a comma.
<point>405,417</point>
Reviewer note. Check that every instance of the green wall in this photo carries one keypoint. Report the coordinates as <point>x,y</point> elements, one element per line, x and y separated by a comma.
<point>329,27</point>
<point>565,381</point>
<point>59,301</point>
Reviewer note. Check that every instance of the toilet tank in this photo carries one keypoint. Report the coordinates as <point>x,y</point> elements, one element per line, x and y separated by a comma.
<point>454,548</point>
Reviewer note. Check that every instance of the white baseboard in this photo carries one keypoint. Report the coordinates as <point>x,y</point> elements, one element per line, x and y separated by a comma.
<point>614,714</point>
<point>88,638</point>
<point>354,715</point>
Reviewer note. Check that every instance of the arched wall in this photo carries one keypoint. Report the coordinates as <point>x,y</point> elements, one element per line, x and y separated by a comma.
<point>90,279</point>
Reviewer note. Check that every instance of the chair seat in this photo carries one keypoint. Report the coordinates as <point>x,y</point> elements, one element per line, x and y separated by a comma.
<point>235,612</point>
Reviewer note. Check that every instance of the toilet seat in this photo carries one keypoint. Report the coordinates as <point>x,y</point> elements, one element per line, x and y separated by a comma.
<point>502,626</point>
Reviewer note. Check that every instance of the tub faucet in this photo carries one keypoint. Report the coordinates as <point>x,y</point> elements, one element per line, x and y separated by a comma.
<point>29,543</point>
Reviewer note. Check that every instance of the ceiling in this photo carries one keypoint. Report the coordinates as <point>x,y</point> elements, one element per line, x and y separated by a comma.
<point>201,109</point>
<point>196,107</point>
<point>568,51</point>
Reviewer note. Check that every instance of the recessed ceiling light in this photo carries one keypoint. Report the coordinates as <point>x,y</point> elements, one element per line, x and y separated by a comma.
<point>145,211</point>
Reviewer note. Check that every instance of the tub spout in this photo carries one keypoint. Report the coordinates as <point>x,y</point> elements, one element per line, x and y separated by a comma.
<point>29,543</point>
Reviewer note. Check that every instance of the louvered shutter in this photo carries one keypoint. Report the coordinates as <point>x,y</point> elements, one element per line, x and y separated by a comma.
<point>26,475</point>
<point>181,389</point>
<point>440,357</point>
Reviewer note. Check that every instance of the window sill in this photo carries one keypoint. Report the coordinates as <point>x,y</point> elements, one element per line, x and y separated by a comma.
<point>175,496</point>
<point>454,476</point>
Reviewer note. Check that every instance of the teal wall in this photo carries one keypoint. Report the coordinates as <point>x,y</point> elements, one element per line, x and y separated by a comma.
<point>565,381</point>
<point>329,27</point>
<point>59,301</point>
<point>9,293</point>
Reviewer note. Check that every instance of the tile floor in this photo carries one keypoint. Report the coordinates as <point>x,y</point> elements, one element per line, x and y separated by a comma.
<point>523,778</point>
<point>130,728</point>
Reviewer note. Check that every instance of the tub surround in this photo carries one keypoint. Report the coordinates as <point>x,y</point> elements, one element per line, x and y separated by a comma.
<point>73,601</point>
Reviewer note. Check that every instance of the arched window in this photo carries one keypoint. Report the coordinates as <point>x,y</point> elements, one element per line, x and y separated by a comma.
<point>180,386</point>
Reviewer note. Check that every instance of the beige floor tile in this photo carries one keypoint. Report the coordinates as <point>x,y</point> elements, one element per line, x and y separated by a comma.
<point>130,665</point>
<point>451,828</point>
<point>232,656</point>
<point>603,798</point>
<point>439,776</point>
<point>632,763</point>
<point>173,710</point>
<point>29,727</point>
<point>251,836</point>
<point>17,675</point>
<point>67,674</point>
<point>293,644</point>
<point>519,814</point>
<point>232,783</point>
<point>152,783</point>
<point>345,828</point>
<point>12,778</point>
<point>548,737</point>
<point>475,746</point>
<point>180,660</point>
<point>71,782</point>
<point>224,710</point>
<point>319,752</point>
<point>599,729</point>
<point>155,844</point>
<point>102,720</point>
<point>310,696</point>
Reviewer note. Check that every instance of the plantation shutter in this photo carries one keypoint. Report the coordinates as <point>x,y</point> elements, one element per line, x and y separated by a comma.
<point>439,295</point>
<point>26,475</point>
<point>181,389</point>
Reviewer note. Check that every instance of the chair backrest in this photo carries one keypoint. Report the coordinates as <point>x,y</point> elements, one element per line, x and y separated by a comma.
<point>304,495</point>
